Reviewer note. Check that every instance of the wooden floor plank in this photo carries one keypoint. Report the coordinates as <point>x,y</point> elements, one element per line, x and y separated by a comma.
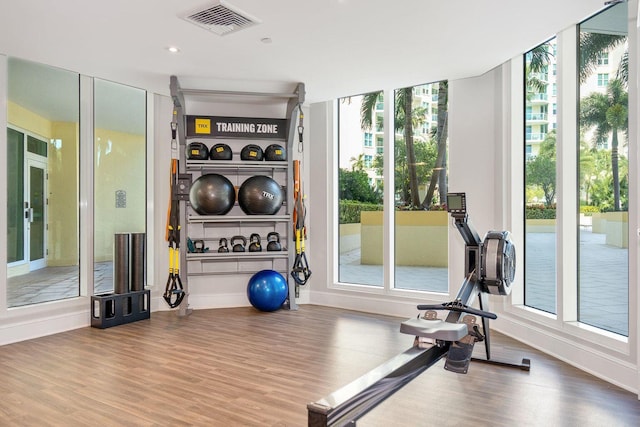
<point>240,367</point>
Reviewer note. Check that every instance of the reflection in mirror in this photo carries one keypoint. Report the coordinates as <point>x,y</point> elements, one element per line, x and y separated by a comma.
<point>119,172</point>
<point>42,183</point>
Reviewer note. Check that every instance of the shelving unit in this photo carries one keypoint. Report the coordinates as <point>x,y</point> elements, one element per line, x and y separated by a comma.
<point>211,228</point>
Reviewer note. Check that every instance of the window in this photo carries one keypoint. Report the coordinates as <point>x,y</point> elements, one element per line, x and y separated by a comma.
<point>368,139</point>
<point>540,184</point>
<point>42,184</point>
<point>603,176</point>
<point>359,197</point>
<point>603,58</point>
<point>603,79</point>
<point>420,228</point>
<point>420,176</point>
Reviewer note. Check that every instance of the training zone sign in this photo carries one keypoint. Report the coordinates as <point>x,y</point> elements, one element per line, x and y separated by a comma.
<point>236,127</point>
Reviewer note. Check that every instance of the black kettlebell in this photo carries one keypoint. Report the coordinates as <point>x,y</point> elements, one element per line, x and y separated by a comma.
<point>273,240</point>
<point>238,247</point>
<point>254,243</point>
<point>223,246</point>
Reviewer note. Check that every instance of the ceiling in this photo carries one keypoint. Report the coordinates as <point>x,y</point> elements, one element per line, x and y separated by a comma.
<point>336,47</point>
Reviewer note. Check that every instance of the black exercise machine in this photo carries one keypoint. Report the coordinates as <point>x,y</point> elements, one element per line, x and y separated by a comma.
<point>489,269</point>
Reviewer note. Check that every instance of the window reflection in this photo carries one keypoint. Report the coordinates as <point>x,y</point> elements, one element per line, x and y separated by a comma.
<point>42,183</point>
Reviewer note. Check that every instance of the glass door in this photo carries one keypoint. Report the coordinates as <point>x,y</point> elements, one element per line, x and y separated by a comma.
<point>36,214</point>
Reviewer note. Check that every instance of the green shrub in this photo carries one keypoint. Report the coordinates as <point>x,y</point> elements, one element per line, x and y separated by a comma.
<point>540,212</point>
<point>349,210</point>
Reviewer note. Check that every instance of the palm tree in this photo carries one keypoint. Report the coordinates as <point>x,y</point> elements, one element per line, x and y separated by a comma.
<point>439,174</point>
<point>592,45</point>
<point>537,60</point>
<point>405,120</point>
<point>608,114</point>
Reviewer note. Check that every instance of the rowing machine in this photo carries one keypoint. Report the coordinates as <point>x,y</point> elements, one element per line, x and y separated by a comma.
<point>489,269</point>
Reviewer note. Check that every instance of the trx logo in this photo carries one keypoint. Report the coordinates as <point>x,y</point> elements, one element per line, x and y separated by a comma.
<point>268,195</point>
<point>203,126</point>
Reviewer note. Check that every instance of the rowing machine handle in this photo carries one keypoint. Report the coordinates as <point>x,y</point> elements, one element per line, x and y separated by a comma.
<point>461,309</point>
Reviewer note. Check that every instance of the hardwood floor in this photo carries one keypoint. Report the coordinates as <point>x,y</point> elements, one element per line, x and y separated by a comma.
<point>240,367</point>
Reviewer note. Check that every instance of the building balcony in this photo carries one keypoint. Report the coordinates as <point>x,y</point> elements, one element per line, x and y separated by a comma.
<point>535,137</point>
<point>537,98</point>
<point>536,117</point>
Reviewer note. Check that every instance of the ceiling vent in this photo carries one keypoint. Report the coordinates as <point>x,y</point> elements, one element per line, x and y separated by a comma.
<point>221,18</point>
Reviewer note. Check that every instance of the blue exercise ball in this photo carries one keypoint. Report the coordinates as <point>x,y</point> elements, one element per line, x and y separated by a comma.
<point>267,290</point>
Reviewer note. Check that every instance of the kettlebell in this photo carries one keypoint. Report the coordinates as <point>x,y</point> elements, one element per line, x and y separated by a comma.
<point>238,247</point>
<point>254,243</point>
<point>273,239</point>
<point>223,246</point>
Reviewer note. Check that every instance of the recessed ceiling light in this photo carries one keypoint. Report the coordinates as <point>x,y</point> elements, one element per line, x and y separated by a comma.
<point>266,40</point>
<point>173,49</point>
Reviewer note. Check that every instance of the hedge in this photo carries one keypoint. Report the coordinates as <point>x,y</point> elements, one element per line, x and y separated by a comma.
<point>349,211</point>
<point>542,212</point>
<point>539,212</point>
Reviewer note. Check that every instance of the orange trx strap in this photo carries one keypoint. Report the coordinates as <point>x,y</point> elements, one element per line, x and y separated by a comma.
<point>300,271</point>
<point>174,291</point>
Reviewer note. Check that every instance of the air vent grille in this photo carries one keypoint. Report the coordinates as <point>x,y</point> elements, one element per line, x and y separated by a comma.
<point>221,18</point>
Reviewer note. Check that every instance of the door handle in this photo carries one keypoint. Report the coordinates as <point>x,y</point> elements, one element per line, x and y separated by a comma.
<point>30,214</point>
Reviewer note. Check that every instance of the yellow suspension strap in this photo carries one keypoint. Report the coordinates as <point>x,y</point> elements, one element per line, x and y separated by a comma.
<point>174,291</point>
<point>300,272</point>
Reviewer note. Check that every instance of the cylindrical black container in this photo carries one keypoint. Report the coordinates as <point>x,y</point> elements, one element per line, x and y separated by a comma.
<point>138,249</point>
<point>121,263</point>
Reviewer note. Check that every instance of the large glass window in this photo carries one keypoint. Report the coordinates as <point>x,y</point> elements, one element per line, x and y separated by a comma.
<point>360,202</point>
<point>603,172</point>
<point>42,183</point>
<point>420,176</point>
<point>540,179</point>
<point>119,171</point>
<point>420,185</point>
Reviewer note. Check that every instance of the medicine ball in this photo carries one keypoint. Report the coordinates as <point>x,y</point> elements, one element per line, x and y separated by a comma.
<point>251,152</point>
<point>197,151</point>
<point>260,195</point>
<point>275,153</point>
<point>212,194</point>
<point>220,152</point>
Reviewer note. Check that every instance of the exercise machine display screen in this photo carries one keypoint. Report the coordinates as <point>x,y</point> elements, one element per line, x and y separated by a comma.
<point>457,203</point>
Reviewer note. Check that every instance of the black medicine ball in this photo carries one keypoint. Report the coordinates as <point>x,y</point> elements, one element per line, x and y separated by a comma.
<point>275,153</point>
<point>212,194</point>
<point>251,152</point>
<point>197,151</point>
<point>220,152</point>
<point>260,195</point>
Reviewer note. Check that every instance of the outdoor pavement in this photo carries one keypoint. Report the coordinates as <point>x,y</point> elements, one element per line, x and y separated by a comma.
<point>604,278</point>
<point>603,297</point>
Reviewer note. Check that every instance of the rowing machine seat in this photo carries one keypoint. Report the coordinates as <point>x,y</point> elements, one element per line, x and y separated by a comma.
<point>435,329</point>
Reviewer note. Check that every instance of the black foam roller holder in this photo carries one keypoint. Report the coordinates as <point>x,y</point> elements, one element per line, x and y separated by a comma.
<point>138,248</point>
<point>121,263</point>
